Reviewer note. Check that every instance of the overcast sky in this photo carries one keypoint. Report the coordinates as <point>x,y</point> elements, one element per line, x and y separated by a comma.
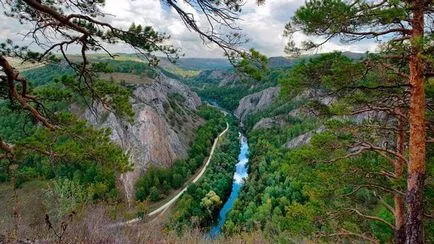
<point>262,24</point>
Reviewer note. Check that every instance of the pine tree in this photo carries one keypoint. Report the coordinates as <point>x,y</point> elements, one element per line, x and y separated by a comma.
<point>402,26</point>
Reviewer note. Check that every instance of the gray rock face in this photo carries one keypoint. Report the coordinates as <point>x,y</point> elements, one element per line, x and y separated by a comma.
<point>370,116</point>
<point>228,79</point>
<point>316,94</point>
<point>323,98</point>
<point>162,130</point>
<point>223,77</point>
<point>264,123</point>
<point>267,123</point>
<point>303,138</point>
<point>256,102</point>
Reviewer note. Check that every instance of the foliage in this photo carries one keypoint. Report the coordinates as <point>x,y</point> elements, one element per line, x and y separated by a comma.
<point>157,182</point>
<point>279,107</point>
<point>407,50</point>
<point>317,189</point>
<point>210,202</point>
<point>91,161</point>
<point>320,72</point>
<point>210,86</point>
<point>47,74</point>
<point>296,191</point>
<point>76,151</point>
<point>125,66</point>
<point>64,197</point>
<point>200,204</point>
<point>253,64</point>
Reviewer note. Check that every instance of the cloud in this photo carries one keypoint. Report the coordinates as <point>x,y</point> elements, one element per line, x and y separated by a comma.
<point>122,13</point>
<point>11,29</point>
<point>263,26</point>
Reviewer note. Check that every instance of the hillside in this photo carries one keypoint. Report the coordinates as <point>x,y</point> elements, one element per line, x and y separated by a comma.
<point>160,133</point>
<point>299,181</point>
<point>208,121</point>
<point>163,127</point>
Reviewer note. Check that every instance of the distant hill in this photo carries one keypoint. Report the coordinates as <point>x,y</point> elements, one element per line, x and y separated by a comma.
<point>354,55</point>
<point>283,62</point>
<point>222,63</point>
<point>280,62</point>
<point>199,63</point>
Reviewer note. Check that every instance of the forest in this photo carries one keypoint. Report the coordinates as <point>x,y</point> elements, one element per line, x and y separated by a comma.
<point>109,110</point>
<point>229,95</point>
<point>157,182</point>
<point>203,200</point>
<point>320,187</point>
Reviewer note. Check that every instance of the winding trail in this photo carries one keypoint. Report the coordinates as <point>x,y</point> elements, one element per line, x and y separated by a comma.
<point>169,203</point>
<point>214,145</point>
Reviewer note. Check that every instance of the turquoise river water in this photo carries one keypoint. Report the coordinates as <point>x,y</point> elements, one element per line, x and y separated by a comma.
<point>240,176</point>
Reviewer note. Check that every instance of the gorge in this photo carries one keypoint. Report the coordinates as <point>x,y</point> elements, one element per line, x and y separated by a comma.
<point>279,180</point>
<point>239,177</point>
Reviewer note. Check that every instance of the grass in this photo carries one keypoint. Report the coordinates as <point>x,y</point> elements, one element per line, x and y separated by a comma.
<point>29,205</point>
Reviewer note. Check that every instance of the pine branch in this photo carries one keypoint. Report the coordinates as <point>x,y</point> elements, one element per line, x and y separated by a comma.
<point>12,75</point>
<point>345,232</point>
<point>371,217</point>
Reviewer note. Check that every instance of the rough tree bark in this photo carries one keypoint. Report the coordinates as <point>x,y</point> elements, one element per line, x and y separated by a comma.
<point>399,232</point>
<point>417,142</point>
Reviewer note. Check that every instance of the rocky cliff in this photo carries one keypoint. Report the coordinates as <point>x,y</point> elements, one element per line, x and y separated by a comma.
<point>300,111</point>
<point>222,77</point>
<point>162,130</point>
<point>256,102</point>
<point>324,99</point>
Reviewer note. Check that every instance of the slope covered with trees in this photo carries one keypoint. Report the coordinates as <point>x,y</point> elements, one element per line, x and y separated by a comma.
<point>227,87</point>
<point>200,204</point>
<point>158,182</point>
<point>407,32</point>
<point>335,168</point>
<point>344,155</point>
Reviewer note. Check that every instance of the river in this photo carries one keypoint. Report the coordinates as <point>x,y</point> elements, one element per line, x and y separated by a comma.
<point>240,176</point>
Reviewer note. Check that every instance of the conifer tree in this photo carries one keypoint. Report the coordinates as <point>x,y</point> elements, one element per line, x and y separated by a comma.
<point>406,30</point>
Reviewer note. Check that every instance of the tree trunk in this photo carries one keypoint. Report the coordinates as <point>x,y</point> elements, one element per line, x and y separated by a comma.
<point>417,150</point>
<point>399,232</point>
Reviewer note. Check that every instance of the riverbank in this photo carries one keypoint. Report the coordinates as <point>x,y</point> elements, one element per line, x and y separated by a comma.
<point>200,204</point>
<point>158,183</point>
<point>180,192</point>
<point>240,176</point>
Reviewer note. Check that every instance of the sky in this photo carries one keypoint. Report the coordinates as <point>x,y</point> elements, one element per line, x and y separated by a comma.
<point>263,25</point>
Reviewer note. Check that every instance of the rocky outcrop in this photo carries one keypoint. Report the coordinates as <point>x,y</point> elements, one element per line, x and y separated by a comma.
<point>162,130</point>
<point>229,79</point>
<point>358,119</point>
<point>220,77</point>
<point>303,138</point>
<point>256,102</point>
<point>264,123</point>
<point>267,123</point>
<point>316,95</point>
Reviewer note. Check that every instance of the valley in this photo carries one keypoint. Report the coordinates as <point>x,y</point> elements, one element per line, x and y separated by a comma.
<point>207,121</point>
<point>191,176</point>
